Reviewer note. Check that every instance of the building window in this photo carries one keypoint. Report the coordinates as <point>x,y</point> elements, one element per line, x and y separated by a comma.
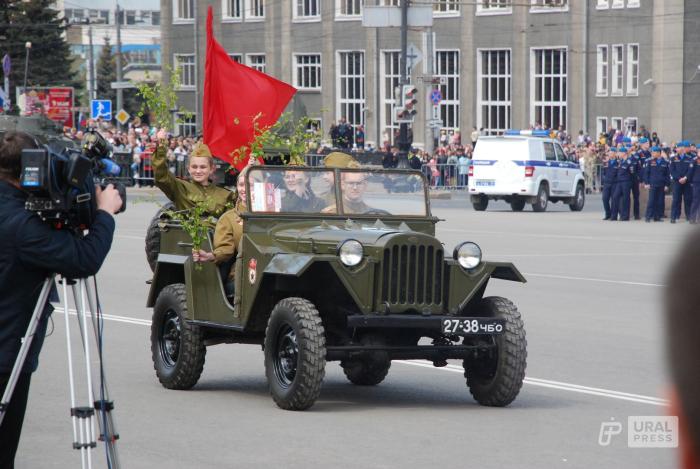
<point>633,69</point>
<point>549,87</point>
<point>549,5</point>
<point>232,10</point>
<point>447,71</point>
<point>307,71</point>
<point>601,125</point>
<point>602,4</point>
<point>74,15</point>
<point>183,10</point>
<point>617,70</point>
<point>254,9</point>
<point>390,3</point>
<point>391,77</point>
<point>632,3</point>
<point>602,62</point>
<point>618,3</point>
<point>238,58</point>
<point>616,123</point>
<point>446,7</point>
<point>351,87</point>
<point>494,7</point>
<point>256,61</point>
<point>185,65</point>
<point>630,126</point>
<point>493,91</point>
<point>348,8</point>
<point>155,18</point>
<point>186,125</point>
<point>305,9</point>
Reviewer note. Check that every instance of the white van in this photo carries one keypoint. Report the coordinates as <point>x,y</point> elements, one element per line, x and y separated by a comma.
<point>524,167</point>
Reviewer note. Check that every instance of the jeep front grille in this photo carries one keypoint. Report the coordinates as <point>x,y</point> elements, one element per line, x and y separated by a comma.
<point>412,275</point>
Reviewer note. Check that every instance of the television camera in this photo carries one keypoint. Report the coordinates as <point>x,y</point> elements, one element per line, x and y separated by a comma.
<point>61,181</point>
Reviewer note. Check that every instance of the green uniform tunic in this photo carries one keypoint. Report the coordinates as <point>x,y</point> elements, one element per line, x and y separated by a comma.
<point>185,194</point>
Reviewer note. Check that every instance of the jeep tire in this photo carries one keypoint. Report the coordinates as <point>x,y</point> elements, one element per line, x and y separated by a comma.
<point>295,353</point>
<point>542,198</point>
<point>579,199</point>
<point>495,378</point>
<point>479,202</point>
<point>177,348</point>
<point>153,236</point>
<point>369,368</point>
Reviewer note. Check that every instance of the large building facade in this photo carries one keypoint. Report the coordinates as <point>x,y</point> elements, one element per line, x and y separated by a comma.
<point>587,65</point>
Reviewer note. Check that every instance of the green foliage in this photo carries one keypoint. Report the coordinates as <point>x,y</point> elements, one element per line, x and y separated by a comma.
<point>160,99</point>
<point>106,72</point>
<point>195,222</point>
<point>288,139</point>
<point>50,59</point>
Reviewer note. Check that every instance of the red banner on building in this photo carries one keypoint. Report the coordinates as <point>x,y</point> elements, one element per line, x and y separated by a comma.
<point>56,103</point>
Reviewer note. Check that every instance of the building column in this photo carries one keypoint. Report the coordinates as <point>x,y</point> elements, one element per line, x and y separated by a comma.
<point>576,70</point>
<point>328,70</point>
<point>467,65</point>
<point>520,78</point>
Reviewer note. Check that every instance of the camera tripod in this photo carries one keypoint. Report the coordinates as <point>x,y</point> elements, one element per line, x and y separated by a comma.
<point>83,416</point>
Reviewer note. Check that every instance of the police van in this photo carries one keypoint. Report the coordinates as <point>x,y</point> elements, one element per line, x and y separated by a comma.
<point>524,167</point>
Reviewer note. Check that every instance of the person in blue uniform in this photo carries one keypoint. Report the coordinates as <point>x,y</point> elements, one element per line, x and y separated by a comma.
<point>694,180</point>
<point>623,186</point>
<point>638,158</point>
<point>679,167</point>
<point>609,177</point>
<point>656,179</point>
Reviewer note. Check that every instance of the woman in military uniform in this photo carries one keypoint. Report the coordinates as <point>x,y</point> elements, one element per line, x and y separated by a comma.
<point>186,194</point>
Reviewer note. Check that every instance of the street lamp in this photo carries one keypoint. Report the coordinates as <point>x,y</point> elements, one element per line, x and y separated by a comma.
<point>27,46</point>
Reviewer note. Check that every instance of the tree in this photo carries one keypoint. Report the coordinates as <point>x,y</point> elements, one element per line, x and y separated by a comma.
<point>50,60</point>
<point>106,73</point>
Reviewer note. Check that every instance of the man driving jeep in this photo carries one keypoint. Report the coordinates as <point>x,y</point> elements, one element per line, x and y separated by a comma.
<point>353,186</point>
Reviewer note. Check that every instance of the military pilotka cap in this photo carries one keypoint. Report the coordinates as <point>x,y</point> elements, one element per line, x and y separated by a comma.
<point>200,150</point>
<point>340,160</point>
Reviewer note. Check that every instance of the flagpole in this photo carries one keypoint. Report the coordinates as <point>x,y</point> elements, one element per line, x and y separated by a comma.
<point>196,67</point>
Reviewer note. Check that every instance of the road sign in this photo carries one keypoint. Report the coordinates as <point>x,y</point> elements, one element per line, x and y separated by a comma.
<point>101,108</point>
<point>122,85</point>
<point>6,65</point>
<point>435,97</point>
<point>435,123</point>
<point>122,116</point>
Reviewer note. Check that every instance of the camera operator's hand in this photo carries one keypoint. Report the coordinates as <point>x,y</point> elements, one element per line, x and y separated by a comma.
<point>108,199</point>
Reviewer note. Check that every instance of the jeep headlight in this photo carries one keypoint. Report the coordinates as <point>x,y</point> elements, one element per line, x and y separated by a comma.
<point>350,252</point>
<point>468,255</point>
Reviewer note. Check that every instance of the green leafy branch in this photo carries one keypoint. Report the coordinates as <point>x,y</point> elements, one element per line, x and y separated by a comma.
<point>196,222</point>
<point>160,99</point>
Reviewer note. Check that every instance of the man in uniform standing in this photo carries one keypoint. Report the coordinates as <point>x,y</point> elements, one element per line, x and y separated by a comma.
<point>694,181</point>
<point>680,165</point>
<point>638,159</point>
<point>625,177</point>
<point>609,177</point>
<point>655,179</point>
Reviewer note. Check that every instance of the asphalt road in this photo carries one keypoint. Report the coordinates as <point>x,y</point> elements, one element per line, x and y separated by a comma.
<point>593,318</point>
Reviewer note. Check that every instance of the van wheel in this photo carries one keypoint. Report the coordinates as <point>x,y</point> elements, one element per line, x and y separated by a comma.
<point>295,354</point>
<point>542,199</point>
<point>579,199</point>
<point>517,204</point>
<point>480,202</point>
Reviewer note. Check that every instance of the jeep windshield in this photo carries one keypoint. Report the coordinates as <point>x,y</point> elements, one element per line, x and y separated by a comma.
<point>336,192</point>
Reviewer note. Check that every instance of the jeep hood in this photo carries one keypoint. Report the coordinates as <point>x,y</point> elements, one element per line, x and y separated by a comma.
<point>366,233</point>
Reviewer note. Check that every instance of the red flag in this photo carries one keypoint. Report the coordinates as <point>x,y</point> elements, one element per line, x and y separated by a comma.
<point>233,95</point>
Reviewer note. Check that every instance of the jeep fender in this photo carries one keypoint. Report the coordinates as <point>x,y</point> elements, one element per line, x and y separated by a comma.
<point>169,269</point>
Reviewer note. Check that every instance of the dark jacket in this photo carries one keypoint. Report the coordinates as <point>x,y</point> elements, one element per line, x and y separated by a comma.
<point>31,251</point>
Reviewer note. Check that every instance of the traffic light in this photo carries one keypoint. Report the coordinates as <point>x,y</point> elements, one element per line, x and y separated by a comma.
<point>405,109</point>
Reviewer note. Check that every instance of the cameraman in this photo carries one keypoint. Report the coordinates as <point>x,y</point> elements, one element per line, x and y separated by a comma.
<point>30,252</point>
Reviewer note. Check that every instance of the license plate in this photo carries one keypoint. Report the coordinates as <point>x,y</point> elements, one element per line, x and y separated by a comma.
<point>470,326</point>
<point>485,182</point>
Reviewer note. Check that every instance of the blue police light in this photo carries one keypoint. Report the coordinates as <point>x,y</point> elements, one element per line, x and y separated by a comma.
<point>533,133</point>
<point>540,133</point>
<point>511,132</point>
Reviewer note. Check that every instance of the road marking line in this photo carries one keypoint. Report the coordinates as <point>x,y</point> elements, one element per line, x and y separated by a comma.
<point>141,238</point>
<point>455,369</point>
<point>589,279</point>
<point>577,254</point>
<point>557,385</point>
<point>556,236</point>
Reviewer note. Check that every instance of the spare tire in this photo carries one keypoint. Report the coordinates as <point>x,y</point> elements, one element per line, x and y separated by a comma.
<point>153,236</point>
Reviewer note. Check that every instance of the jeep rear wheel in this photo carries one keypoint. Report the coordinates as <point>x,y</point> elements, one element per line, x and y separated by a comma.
<point>542,200</point>
<point>153,236</point>
<point>480,202</point>
<point>177,348</point>
<point>579,199</point>
<point>495,378</point>
<point>295,354</point>
<point>369,368</point>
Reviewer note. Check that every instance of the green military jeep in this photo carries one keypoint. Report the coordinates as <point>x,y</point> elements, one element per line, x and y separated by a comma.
<point>361,280</point>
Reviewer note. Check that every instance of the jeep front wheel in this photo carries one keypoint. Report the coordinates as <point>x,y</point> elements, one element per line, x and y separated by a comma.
<point>295,354</point>
<point>177,348</point>
<point>153,236</point>
<point>495,378</point>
